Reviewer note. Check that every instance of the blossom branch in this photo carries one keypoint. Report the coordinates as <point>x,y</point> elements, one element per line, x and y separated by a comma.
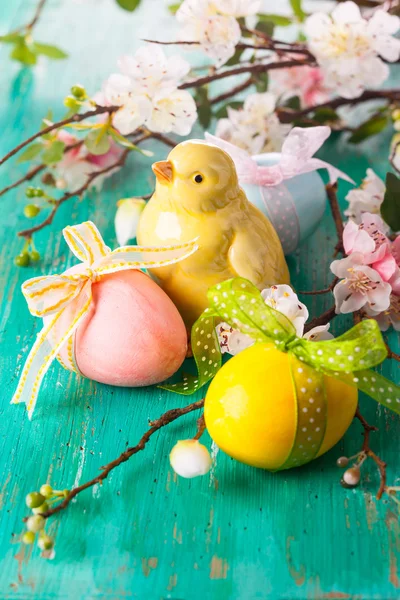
<point>28,177</point>
<point>168,417</point>
<point>37,14</point>
<point>323,291</point>
<point>232,92</point>
<point>250,68</point>
<point>337,217</point>
<point>77,118</point>
<point>287,115</point>
<point>368,452</point>
<point>27,233</point>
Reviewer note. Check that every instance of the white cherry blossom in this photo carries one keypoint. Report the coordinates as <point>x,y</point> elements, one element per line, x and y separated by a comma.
<point>283,299</point>
<point>350,49</point>
<point>147,92</point>
<point>135,108</point>
<point>216,33</point>
<point>149,70</point>
<point>255,128</point>
<point>367,198</point>
<point>174,111</point>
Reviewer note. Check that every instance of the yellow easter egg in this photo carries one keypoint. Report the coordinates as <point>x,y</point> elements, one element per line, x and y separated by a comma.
<point>251,408</point>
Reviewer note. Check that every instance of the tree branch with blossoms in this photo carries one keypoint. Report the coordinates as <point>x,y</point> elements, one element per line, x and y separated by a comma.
<point>298,83</point>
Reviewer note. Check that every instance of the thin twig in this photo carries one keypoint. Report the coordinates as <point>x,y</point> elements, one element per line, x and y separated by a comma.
<point>201,427</point>
<point>324,291</point>
<point>323,319</point>
<point>27,233</point>
<point>28,177</point>
<point>163,138</point>
<point>337,217</point>
<point>37,14</point>
<point>165,419</point>
<point>232,92</point>
<point>252,68</point>
<point>99,110</point>
<point>367,450</point>
<point>35,171</point>
<point>392,354</point>
<point>287,115</point>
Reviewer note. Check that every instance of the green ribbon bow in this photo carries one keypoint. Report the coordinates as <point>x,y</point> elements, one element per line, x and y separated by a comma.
<point>348,357</point>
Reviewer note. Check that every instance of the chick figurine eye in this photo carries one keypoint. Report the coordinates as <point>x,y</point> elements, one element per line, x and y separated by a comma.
<point>198,178</point>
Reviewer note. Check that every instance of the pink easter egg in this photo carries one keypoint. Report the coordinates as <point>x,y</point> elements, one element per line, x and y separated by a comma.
<point>133,335</point>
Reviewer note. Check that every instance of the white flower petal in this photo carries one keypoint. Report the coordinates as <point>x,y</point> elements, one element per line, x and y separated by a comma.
<point>175,113</point>
<point>319,334</point>
<point>127,219</point>
<point>238,8</point>
<point>346,13</point>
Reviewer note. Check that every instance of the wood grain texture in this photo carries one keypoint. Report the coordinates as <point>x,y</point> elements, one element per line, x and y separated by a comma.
<point>237,534</point>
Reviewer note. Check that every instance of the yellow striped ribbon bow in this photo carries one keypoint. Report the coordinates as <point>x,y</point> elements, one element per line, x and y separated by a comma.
<point>64,300</point>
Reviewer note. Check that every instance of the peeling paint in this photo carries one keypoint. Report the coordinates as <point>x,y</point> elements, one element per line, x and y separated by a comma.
<point>298,575</point>
<point>219,568</point>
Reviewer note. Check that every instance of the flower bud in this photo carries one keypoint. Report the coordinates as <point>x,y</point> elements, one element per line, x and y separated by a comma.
<point>31,210</point>
<point>28,537</point>
<point>46,490</point>
<point>41,509</point>
<point>35,523</point>
<point>45,542</point>
<point>190,459</point>
<point>342,462</point>
<point>351,477</point>
<point>34,499</point>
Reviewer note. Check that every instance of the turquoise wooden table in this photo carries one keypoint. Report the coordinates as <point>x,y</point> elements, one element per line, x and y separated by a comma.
<point>236,534</point>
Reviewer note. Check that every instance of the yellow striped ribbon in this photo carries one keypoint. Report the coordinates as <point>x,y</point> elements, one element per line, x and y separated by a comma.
<point>64,300</point>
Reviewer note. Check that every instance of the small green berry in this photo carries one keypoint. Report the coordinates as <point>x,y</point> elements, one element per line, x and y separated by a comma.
<point>45,542</point>
<point>46,490</point>
<point>34,499</point>
<point>38,192</point>
<point>30,192</point>
<point>35,523</point>
<point>35,256</point>
<point>342,462</point>
<point>28,537</point>
<point>78,91</point>
<point>23,259</point>
<point>31,210</point>
<point>70,102</point>
<point>41,509</point>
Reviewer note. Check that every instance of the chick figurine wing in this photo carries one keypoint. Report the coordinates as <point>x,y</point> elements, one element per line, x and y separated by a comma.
<point>197,195</point>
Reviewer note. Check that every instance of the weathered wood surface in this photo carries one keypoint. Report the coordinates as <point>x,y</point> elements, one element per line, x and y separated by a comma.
<point>237,534</point>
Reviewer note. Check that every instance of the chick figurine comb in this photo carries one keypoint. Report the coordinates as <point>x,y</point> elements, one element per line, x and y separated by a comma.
<point>198,195</point>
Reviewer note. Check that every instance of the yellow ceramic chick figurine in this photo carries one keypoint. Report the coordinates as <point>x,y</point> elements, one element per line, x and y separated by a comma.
<point>197,195</point>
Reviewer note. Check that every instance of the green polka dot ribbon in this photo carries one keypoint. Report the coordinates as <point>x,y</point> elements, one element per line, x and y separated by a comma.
<point>348,357</point>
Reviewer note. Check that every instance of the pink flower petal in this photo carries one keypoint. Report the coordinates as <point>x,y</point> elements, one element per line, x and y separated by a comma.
<point>386,267</point>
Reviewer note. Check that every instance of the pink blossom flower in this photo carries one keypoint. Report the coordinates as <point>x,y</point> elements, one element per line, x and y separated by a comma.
<point>360,286</point>
<point>306,82</point>
<point>78,163</point>
<point>369,240</point>
<point>389,317</point>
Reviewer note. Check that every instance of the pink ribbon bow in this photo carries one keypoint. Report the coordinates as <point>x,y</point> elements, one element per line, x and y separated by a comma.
<point>296,158</point>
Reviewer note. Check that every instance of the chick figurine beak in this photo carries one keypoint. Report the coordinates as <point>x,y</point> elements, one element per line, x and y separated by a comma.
<point>197,195</point>
<point>163,171</point>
